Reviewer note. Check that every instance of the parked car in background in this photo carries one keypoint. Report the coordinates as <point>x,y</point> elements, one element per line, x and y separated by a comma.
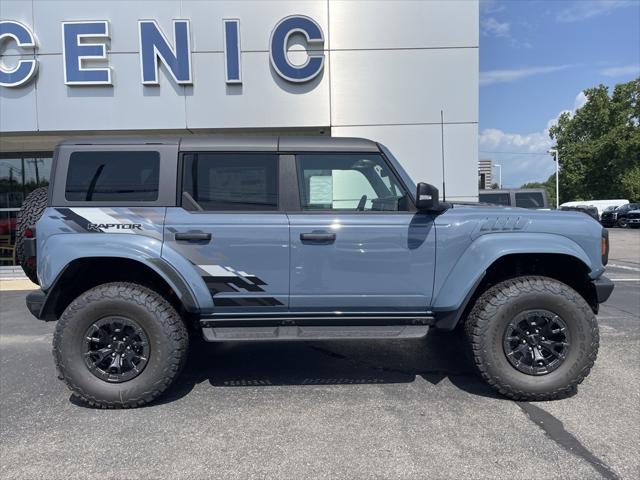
<point>535,198</point>
<point>619,216</point>
<point>588,209</point>
<point>601,205</point>
<point>633,219</point>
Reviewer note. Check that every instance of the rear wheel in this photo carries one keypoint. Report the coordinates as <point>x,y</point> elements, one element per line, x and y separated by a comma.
<point>119,345</point>
<point>532,338</point>
<point>29,214</point>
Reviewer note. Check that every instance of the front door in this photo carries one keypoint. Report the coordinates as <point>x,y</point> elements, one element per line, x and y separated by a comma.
<point>356,244</point>
<point>229,226</point>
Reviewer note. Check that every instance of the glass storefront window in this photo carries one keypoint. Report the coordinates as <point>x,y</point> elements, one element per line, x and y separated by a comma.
<point>20,174</point>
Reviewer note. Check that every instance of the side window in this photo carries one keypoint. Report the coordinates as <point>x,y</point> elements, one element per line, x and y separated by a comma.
<point>530,200</point>
<point>113,176</point>
<point>349,182</point>
<point>230,181</point>
<point>495,198</point>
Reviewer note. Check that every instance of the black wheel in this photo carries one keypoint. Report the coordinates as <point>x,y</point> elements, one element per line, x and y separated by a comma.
<point>119,345</point>
<point>29,214</point>
<point>623,222</point>
<point>532,338</point>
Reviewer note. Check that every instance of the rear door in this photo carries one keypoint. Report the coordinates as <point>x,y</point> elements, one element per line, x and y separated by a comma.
<point>357,243</point>
<point>229,226</point>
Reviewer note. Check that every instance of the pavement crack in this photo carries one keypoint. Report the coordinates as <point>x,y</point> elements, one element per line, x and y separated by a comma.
<point>554,429</point>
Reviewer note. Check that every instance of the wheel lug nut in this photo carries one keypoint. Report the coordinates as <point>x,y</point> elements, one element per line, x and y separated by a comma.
<point>108,346</point>
<point>116,338</point>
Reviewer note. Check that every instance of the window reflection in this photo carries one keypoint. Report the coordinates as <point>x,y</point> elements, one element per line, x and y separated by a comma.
<point>20,174</point>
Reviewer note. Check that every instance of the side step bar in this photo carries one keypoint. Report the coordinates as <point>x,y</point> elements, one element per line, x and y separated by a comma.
<point>296,326</point>
<point>295,332</point>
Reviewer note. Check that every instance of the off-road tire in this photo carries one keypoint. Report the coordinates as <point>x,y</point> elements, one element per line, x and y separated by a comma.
<point>165,329</point>
<point>622,223</point>
<point>490,316</point>
<point>29,214</point>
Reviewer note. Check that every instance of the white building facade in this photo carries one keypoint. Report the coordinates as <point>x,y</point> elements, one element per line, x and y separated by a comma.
<point>384,70</point>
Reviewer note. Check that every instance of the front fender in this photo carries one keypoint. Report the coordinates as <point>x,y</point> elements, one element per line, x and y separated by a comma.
<point>58,251</point>
<point>471,266</point>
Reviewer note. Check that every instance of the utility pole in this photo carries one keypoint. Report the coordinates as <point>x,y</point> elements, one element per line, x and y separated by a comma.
<point>554,152</point>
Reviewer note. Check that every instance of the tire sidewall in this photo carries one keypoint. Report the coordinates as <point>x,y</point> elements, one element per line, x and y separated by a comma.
<point>580,337</point>
<point>70,340</point>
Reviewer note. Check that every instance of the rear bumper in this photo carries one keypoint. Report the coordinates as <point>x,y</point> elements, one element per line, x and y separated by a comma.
<point>35,303</point>
<point>603,287</point>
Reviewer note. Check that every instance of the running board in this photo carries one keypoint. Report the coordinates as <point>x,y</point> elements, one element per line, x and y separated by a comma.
<point>298,332</point>
<point>315,326</point>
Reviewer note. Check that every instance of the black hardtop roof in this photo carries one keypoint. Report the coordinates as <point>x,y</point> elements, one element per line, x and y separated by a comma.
<point>297,143</point>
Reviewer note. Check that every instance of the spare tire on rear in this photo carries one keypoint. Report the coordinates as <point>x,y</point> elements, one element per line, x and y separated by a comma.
<point>29,214</point>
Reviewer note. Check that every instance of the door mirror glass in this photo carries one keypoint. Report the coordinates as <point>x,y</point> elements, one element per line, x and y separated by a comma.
<point>427,197</point>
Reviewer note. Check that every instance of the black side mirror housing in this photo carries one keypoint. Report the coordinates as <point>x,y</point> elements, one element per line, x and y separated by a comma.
<point>427,198</point>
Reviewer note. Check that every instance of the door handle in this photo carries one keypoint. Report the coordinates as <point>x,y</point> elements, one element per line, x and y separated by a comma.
<point>193,236</point>
<point>318,237</point>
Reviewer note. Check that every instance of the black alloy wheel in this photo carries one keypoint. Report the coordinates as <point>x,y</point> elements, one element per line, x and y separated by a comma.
<point>115,349</point>
<point>536,342</point>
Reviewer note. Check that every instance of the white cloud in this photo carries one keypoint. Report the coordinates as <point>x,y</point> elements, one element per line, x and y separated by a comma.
<point>585,9</point>
<point>491,6</point>
<point>492,27</point>
<point>621,71</point>
<point>491,77</point>
<point>523,156</point>
<point>580,100</point>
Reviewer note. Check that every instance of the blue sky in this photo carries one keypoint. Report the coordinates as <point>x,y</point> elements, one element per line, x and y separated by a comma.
<point>536,57</point>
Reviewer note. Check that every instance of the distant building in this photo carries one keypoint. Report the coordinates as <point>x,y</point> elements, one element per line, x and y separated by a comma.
<point>484,174</point>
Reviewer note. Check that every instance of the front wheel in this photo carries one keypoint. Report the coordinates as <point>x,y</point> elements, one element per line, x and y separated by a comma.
<point>119,345</point>
<point>623,223</point>
<point>533,338</point>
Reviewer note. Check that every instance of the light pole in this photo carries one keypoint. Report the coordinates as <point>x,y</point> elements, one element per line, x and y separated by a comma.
<point>499,174</point>
<point>554,152</point>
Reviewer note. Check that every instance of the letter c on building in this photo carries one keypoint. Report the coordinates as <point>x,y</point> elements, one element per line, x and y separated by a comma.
<point>24,69</point>
<point>278,48</point>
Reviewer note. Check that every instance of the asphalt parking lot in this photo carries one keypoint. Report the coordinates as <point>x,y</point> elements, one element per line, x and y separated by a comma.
<point>329,410</point>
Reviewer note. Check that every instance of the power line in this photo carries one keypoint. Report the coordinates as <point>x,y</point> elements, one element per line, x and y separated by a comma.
<point>515,153</point>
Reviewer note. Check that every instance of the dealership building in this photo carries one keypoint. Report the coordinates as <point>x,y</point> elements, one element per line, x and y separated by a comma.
<point>404,73</point>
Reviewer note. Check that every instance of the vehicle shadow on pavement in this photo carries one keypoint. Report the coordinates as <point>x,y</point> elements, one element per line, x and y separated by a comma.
<point>436,357</point>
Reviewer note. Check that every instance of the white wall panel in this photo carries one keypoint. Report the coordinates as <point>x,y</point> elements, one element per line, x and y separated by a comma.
<point>263,99</point>
<point>404,86</point>
<point>419,150</point>
<point>126,105</point>
<point>19,11</point>
<point>257,19</point>
<point>123,19</point>
<point>18,111</point>
<point>385,24</point>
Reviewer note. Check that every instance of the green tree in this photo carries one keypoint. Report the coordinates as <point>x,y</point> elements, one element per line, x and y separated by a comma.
<point>599,146</point>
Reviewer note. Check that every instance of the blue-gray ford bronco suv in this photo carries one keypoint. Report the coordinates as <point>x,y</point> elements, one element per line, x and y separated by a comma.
<point>139,243</point>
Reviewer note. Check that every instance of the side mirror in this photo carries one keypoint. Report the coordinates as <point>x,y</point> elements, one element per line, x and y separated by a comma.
<point>427,197</point>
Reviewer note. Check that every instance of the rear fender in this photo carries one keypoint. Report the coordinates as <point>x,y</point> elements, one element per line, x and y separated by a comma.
<point>58,251</point>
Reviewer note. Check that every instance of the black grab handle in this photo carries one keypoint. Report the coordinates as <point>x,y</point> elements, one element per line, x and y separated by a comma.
<point>193,236</point>
<point>318,237</point>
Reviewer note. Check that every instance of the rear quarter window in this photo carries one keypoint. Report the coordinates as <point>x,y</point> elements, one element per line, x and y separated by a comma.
<point>113,176</point>
<point>530,200</point>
